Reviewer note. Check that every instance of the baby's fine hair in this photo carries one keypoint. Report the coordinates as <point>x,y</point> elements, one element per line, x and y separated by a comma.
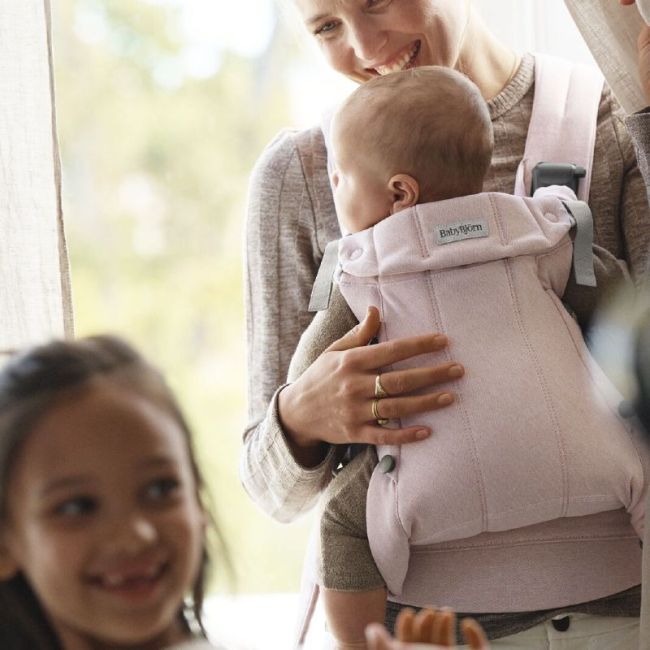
<point>30,385</point>
<point>430,122</point>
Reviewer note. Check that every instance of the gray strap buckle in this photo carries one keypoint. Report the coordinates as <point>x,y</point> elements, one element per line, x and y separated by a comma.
<point>322,289</point>
<point>583,257</point>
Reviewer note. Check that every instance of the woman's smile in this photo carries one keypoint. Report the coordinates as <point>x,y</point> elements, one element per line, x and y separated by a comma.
<point>363,40</point>
<point>405,58</point>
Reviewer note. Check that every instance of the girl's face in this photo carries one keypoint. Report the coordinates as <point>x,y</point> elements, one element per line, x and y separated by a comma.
<point>104,520</point>
<point>365,38</point>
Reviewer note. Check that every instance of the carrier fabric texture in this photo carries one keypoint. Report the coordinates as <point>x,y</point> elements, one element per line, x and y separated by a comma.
<point>532,438</point>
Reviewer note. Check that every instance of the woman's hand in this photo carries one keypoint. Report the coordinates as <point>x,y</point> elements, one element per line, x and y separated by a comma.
<point>428,630</point>
<point>643,46</point>
<point>332,401</point>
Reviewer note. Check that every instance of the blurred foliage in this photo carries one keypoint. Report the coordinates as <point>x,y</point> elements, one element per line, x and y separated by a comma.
<point>155,168</point>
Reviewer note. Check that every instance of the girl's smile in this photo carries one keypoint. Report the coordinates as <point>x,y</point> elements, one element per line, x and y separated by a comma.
<point>140,582</point>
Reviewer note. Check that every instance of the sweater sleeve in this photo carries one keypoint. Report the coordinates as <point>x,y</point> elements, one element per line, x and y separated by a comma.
<point>284,242</point>
<point>281,258</point>
<point>635,215</point>
<point>270,474</point>
<point>638,125</point>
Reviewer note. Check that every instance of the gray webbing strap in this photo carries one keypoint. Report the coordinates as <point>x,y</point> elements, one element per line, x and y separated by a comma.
<point>322,289</point>
<point>583,257</point>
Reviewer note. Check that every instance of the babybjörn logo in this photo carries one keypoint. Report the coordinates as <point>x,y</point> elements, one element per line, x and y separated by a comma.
<point>460,230</point>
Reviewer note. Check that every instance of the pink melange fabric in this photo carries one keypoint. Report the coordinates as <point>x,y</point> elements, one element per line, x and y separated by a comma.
<point>534,437</point>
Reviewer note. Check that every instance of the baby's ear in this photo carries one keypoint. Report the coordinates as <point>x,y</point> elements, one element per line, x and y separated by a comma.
<point>405,190</point>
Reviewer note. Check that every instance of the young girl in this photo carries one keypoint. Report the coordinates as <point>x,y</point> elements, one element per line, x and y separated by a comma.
<point>102,522</point>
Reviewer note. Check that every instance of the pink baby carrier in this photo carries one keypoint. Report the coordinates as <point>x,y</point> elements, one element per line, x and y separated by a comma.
<point>532,436</point>
<point>490,269</point>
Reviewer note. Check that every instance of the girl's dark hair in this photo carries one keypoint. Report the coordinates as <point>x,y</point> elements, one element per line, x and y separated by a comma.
<point>30,384</point>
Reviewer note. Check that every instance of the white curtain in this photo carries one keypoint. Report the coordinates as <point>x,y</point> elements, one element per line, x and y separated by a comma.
<point>535,26</point>
<point>34,282</point>
<point>550,26</point>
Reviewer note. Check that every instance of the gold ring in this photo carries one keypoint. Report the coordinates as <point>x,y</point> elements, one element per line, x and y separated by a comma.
<point>380,391</point>
<point>382,422</point>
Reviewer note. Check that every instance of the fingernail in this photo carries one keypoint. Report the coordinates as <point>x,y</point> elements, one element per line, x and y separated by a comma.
<point>445,399</point>
<point>372,632</point>
<point>455,372</point>
<point>440,340</point>
<point>421,434</point>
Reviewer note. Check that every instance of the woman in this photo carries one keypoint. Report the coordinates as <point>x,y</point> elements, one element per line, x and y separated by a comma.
<point>290,445</point>
<point>639,123</point>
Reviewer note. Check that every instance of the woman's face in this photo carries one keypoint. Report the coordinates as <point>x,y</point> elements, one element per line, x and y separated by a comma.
<point>366,38</point>
<point>104,520</point>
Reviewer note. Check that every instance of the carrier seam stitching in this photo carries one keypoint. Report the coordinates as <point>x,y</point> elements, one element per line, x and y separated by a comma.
<point>479,478</point>
<point>424,251</point>
<point>430,549</point>
<point>394,478</point>
<point>501,226</point>
<point>587,366</point>
<point>545,392</point>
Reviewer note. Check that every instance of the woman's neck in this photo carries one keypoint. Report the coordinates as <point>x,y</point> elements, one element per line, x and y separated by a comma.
<point>485,59</point>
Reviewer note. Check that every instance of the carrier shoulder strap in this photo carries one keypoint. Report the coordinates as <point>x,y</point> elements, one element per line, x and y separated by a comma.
<point>563,122</point>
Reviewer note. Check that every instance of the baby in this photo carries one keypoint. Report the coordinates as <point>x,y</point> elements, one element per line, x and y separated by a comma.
<point>428,144</point>
<point>443,151</point>
<point>430,139</point>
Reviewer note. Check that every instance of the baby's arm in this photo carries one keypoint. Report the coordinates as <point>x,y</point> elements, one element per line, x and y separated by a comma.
<point>353,589</point>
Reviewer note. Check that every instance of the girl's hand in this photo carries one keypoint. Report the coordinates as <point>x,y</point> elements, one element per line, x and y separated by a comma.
<point>643,46</point>
<point>428,630</point>
<point>332,401</point>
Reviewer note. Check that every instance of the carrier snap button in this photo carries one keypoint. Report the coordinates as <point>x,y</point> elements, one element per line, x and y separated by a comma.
<point>561,624</point>
<point>387,464</point>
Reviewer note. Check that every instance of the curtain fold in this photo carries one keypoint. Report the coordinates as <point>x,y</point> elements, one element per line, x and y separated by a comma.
<point>35,299</point>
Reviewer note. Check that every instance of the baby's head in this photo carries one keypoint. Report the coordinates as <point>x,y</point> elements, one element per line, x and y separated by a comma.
<point>102,527</point>
<point>409,137</point>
